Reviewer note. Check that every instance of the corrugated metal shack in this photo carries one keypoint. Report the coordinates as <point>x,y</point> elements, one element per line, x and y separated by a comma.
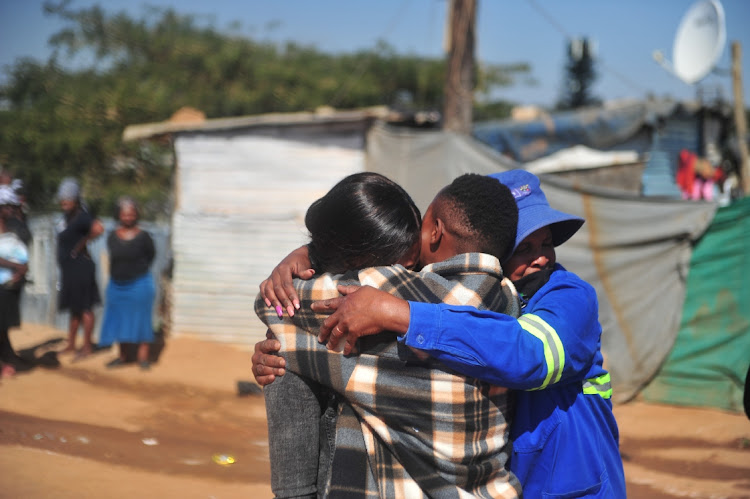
<point>242,187</point>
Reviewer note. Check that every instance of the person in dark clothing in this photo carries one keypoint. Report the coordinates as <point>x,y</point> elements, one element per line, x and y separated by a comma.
<point>15,222</point>
<point>131,289</point>
<point>79,291</point>
<point>13,267</point>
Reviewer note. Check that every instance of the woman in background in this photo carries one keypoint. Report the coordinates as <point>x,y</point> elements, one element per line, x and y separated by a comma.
<point>79,291</point>
<point>131,289</point>
<point>13,267</point>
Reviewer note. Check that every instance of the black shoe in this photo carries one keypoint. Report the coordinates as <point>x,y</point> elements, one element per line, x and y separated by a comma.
<point>20,364</point>
<point>115,363</point>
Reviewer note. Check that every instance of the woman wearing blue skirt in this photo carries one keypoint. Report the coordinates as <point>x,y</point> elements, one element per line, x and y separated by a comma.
<point>131,289</point>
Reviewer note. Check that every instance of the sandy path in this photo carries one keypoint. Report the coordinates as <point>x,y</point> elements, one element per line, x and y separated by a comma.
<point>83,431</point>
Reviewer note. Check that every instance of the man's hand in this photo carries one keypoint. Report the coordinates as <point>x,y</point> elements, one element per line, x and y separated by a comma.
<point>278,291</point>
<point>266,365</point>
<point>18,269</point>
<point>362,311</point>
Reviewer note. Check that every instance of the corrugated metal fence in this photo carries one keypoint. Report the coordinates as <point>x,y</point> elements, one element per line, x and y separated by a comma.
<point>240,207</point>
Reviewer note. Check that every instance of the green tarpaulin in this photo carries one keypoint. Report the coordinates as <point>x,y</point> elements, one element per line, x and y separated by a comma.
<point>709,360</point>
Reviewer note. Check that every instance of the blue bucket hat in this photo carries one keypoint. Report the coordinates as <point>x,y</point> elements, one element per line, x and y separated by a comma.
<point>534,212</point>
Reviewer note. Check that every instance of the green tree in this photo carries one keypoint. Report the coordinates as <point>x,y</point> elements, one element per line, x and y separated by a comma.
<point>65,116</point>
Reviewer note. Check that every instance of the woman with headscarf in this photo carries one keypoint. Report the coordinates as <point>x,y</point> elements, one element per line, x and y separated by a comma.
<point>79,291</point>
<point>131,289</point>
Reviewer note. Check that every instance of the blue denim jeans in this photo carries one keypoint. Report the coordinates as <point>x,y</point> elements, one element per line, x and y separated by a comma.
<point>301,436</point>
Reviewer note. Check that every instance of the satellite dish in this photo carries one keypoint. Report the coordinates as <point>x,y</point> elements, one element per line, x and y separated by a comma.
<point>700,41</point>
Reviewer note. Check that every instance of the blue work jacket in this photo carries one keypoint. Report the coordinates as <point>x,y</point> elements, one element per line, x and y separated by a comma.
<point>565,437</point>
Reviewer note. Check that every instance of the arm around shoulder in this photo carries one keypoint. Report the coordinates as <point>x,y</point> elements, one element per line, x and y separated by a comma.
<point>96,230</point>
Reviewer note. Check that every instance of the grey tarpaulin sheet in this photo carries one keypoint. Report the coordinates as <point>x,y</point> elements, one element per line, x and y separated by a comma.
<point>614,126</point>
<point>423,162</point>
<point>634,251</point>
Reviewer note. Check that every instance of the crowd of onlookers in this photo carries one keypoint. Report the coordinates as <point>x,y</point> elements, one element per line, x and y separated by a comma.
<point>130,291</point>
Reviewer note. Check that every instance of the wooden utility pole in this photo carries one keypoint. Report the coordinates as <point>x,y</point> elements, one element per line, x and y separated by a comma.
<point>459,82</point>
<point>740,120</point>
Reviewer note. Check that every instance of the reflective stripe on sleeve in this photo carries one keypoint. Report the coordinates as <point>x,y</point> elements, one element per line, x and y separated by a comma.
<point>601,385</point>
<point>554,353</point>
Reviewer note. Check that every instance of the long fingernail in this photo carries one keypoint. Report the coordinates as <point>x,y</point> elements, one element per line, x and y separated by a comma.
<point>290,311</point>
<point>279,310</point>
<point>296,305</point>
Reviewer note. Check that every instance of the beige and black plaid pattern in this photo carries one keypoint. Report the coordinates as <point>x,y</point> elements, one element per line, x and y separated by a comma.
<point>426,430</point>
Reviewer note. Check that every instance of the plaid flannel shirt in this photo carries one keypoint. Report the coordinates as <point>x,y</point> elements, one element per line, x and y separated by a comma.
<point>427,430</point>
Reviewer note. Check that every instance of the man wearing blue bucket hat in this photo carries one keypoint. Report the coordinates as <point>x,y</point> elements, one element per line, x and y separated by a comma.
<point>537,212</point>
<point>565,437</point>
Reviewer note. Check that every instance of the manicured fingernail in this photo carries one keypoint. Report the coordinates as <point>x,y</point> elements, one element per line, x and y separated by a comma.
<point>279,310</point>
<point>290,311</point>
<point>296,305</point>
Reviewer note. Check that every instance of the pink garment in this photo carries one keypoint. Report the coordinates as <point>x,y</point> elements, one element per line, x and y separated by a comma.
<point>702,190</point>
<point>692,184</point>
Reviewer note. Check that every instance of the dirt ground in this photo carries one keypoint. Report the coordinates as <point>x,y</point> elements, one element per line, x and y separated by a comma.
<point>80,430</point>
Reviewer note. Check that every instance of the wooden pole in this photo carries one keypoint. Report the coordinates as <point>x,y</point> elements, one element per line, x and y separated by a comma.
<point>740,120</point>
<point>459,82</point>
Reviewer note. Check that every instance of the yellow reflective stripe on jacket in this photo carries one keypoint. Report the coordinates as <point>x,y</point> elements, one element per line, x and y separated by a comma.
<point>601,385</point>
<point>554,353</point>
